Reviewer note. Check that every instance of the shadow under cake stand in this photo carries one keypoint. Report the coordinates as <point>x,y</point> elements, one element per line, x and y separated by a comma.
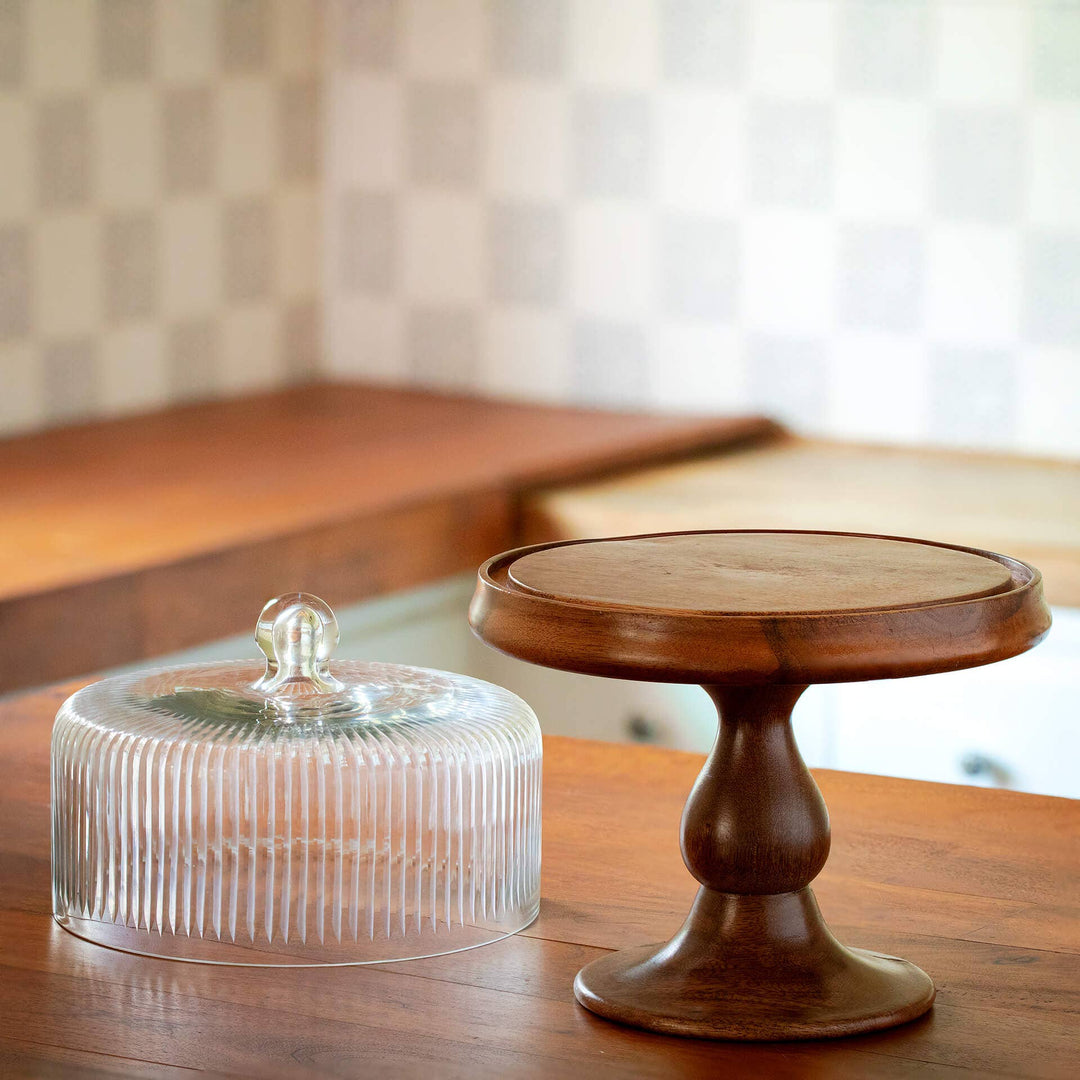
<point>756,617</point>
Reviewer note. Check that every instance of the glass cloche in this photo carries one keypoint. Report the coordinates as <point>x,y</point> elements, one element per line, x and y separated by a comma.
<point>315,812</point>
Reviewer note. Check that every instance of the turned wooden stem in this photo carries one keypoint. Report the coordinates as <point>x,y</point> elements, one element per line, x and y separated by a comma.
<point>755,821</point>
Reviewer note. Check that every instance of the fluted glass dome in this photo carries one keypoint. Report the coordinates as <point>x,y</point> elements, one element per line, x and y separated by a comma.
<point>307,811</point>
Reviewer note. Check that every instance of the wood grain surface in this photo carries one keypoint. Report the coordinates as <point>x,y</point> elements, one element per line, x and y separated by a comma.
<point>1029,507</point>
<point>130,538</point>
<point>759,573</point>
<point>981,887</point>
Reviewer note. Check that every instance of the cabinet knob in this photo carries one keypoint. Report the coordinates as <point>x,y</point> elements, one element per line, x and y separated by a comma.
<point>984,767</point>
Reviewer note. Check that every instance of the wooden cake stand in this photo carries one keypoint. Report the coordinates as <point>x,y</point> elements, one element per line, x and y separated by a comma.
<point>756,617</point>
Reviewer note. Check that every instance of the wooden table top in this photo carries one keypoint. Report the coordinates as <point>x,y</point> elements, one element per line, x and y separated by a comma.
<point>132,538</point>
<point>981,888</point>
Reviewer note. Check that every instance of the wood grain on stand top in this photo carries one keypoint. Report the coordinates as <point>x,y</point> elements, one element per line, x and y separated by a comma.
<point>981,887</point>
<point>130,538</point>
<point>749,573</point>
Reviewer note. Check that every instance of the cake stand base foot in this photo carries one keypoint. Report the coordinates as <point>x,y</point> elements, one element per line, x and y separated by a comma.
<point>754,968</point>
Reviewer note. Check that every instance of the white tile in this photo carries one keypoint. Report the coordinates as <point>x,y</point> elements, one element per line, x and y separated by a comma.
<point>67,273</point>
<point>62,44</point>
<point>1048,386</point>
<point>298,243</point>
<point>788,272</point>
<point>878,387</point>
<point>127,155</point>
<point>698,369</point>
<point>1053,187</point>
<point>885,48</point>
<point>365,131</point>
<point>445,39</point>
<point>365,339</point>
<point>792,48</point>
<point>613,135</point>
<point>190,257</point>
<point>611,267</point>
<point>187,40</point>
<point>527,138</point>
<point>247,136</point>
<point>251,353</point>
<point>972,396</point>
<point>978,163</point>
<point>527,354</point>
<point>133,372</point>
<point>614,43</point>
<point>788,377</point>
<point>443,248</point>
<point>17,192</point>
<point>881,160</point>
<point>21,407</point>
<point>981,52</point>
<point>972,285</point>
<point>700,164</point>
<point>610,363</point>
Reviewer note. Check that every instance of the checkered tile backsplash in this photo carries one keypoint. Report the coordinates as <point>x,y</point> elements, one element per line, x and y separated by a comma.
<point>160,168</point>
<point>860,215</point>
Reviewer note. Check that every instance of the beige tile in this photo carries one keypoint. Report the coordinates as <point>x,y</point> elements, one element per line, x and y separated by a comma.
<point>364,339</point>
<point>300,131</point>
<point>69,379</point>
<point>189,127</point>
<point>64,176</point>
<point>62,45</point>
<point>21,407</point>
<point>442,249</point>
<point>128,153</point>
<point>365,125</point>
<point>15,282</point>
<point>527,125</point>
<point>444,346</point>
<point>445,39</point>
<point>248,248</point>
<point>190,257</point>
<point>301,339</point>
<point>298,250</point>
<point>12,43</point>
<point>17,173</point>
<point>251,355</point>
<point>133,373</point>
<point>125,38</point>
<point>193,359</point>
<point>67,275</point>
<point>298,27</point>
<point>245,34</point>
<point>247,136</point>
<point>130,263</point>
<point>526,353</point>
<point>187,40</point>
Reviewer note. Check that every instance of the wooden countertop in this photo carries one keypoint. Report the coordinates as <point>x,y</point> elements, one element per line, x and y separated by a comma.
<point>1025,507</point>
<point>132,538</point>
<point>979,887</point>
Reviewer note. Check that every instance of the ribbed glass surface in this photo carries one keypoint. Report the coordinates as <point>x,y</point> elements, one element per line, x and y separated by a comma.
<point>398,816</point>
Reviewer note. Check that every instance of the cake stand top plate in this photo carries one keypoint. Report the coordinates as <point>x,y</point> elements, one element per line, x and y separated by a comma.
<point>754,607</point>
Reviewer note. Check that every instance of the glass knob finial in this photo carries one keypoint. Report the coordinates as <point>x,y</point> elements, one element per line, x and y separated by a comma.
<point>297,633</point>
